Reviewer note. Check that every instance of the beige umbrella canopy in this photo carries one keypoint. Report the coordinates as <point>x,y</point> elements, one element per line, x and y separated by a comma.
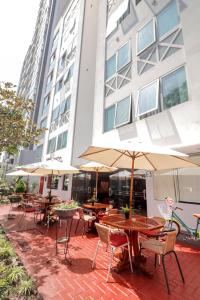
<point>21,173</point>
<point>97,168</point>
<point>51,167</point>
<point>137,156</point>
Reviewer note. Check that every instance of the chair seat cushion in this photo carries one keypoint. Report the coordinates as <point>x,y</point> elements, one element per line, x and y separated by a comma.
<point>117,239</point>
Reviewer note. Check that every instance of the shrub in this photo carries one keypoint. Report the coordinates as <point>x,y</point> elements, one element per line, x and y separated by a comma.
<point>27,287</point>
<point>15,274</point>
<point>20,186</point>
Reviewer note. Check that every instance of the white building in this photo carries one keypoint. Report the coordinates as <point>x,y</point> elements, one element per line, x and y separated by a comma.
<point>68,89</point>
<point>147,87</point>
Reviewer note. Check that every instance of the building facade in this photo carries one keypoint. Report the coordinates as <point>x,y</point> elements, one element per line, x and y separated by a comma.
<point>147,87</point>
<point>123,70</point>
<point>66,102</point>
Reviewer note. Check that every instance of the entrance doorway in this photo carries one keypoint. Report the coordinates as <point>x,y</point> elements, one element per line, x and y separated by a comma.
<point>113,188</point>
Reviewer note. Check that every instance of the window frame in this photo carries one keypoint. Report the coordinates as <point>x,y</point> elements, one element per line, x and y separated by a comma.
<point>61,135</point>
<point>129,113</point>
<point>106,108</point>
<point>48,152</point>
<point>114,74</point>
<point>157,97</point>
<point>58,114</point>
<point>164,36</point>
<point>154,33</point>
<point>66,176</point>
<point>161,85</point>
<point>42,120</point>
<point>129,55</point>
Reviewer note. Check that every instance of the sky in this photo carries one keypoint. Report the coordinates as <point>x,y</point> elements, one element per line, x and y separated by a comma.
<point>17,23</point>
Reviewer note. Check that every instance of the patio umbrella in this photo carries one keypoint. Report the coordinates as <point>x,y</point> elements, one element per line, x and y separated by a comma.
<point>137,156</point>
<point>97,168</point>
<point>50,168</point>
<point>22,173</point>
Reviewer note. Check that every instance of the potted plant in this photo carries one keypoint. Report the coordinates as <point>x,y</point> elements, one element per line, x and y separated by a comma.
<point>126,211</point>
<point>20,186</point>
<point>92,200</point>
<point>67,209</point>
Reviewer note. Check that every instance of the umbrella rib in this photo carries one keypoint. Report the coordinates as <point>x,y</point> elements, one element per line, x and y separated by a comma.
<point>186,161</point>
<point>95,152</point>
<point>124,153</point>
<point>144,154</point>
<point>117,158</point>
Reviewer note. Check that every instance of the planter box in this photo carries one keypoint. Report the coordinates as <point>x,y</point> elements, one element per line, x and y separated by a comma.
<point>15,199</point>
<point>66,213</point>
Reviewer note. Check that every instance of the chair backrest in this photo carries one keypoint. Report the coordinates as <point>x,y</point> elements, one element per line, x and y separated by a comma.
<point>103,232</point>
<point>170,241</point>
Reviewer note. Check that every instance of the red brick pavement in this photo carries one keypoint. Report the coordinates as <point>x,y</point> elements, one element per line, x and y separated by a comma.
<point>59,281</point>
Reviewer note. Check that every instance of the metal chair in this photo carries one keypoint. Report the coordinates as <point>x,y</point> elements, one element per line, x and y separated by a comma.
<point>113,239</point>
<point>163,244</point>
<point>86,219</point>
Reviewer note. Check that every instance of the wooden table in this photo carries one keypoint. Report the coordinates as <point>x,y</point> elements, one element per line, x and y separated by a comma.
<point>96,207</point>
<point>46,204</point>
<point>133,227</point>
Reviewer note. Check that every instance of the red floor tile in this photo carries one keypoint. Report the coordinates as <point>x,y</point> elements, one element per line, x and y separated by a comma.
<point>57,280</point>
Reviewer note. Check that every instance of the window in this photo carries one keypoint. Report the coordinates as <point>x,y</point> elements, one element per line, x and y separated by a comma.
<point>62,140</point>
<point>45,104</point>
<point>52,59</point>
<point>65,105</point>
<point>65,182</point>
<point>117,16</point>
<point>123,109</point>
<point>137,2</point>
<point>39,153</point>
<point>43,123</point>
<point>52,182</point>
<point>55,114</point>
<point>148,98</point>
<point>123,57</point>
<point>51,145</point>
<point>146,36</point>
<point>168,19</point>
<point>55,39</point>
<point>174,88</point>
<point>63,60</point>
<point>59,85</point>
<point>109,118</point>
<point>49,78</point>
<point>111,66</point>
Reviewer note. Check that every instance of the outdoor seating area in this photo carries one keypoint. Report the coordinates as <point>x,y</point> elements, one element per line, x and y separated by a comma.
<point>70,265</point>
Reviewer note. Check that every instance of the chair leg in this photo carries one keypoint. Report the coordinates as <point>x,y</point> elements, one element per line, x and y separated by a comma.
<point>180,270</point>
<point>130,259</point>
<point>83,228</point>
<point>110,264</point>
<point>165,273</point>
<point>77,226</point>
<point>95,255</point>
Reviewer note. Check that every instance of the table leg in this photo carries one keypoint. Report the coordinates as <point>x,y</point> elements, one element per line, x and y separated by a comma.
<point>137,260</point>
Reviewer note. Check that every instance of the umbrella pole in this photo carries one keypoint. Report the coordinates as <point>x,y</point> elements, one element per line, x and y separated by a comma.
<point>131,188</point>
<point>50,186</point>
<point>97,175</point>
<point>27,184</point>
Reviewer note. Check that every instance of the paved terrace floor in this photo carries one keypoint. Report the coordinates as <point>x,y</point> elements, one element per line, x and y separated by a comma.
<point>56,280</point>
